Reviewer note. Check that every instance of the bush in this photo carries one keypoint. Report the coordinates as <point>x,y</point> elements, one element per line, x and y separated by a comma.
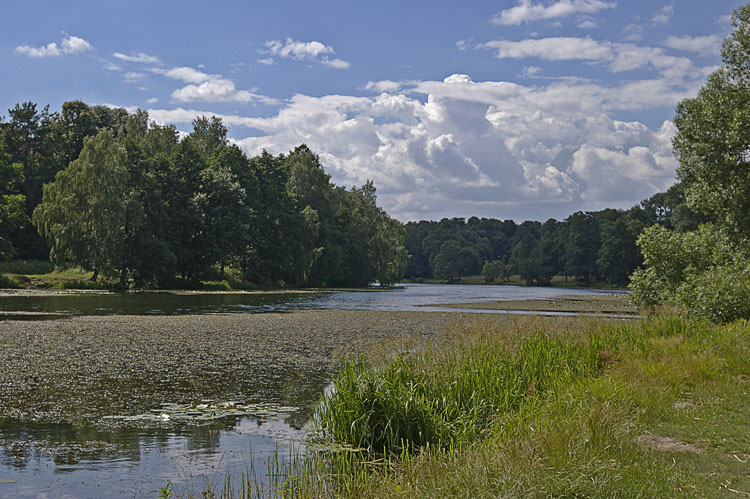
<point>700,271</point>
<point>79,284</point>
<point>7,282</point>
<point>215,286</point>
<point>27,267</point>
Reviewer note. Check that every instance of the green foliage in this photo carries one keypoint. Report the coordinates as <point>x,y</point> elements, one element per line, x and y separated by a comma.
<point>712,141</point>
<point>701,271</point>
<point>444,401</point>
<point>89,213</point>
<point>79,284</point>
<point>126,198</point>
<point>7,282</point>
<point>707,271</point>
<point>27,267</point>
<point>491,271</point>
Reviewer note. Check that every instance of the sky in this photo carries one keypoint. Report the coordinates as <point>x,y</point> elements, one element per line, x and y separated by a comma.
<point>512,109</point>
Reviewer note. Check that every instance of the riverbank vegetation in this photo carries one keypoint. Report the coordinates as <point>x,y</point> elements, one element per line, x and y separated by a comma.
<point>545,408</point>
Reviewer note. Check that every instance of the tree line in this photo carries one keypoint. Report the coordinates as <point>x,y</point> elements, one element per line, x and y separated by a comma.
<point>114,193</point>
<point>586,246</point>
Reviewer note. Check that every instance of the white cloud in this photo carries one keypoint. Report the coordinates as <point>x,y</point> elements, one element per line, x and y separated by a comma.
<point>633,32</point>
<point>587,24</point>
<point>205,87</point>
<point>49,50</point>
<point>69,45</point>
<point>664,15</point>
<point>383,86</point>
<point>705,45</point>
<point>268,61</point>
<point>186,74</point>
<point>335,63</point>
<point>551,49</point>
<point>527,10</point>
<point>132,77</point>
<point>75,45</point>
<point>531,71</point>
<point>618,56</point>
<point>313,51</point>
<point>218,90</point>
<point>139,57</point>
<point>152,100</point>
<point>111,66</point>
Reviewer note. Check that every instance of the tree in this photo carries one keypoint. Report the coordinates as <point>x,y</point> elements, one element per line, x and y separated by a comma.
<point>707,271</point>
<point>89,215</point>
<point>712,141</point>
<point>448,262</point>
<point>491,271</point>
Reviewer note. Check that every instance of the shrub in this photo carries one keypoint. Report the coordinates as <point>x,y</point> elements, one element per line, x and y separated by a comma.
<point>701,271</point>
<point>27,267</point>
<point>7,282</point>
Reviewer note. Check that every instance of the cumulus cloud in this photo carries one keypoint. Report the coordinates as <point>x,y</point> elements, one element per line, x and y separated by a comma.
<point>139,57</point>
<point>75,45</point>
<point>527,10</point>
<point>69,45</point>
<point>704,45</point>
<point>313,51</point>
<point>494,148</point>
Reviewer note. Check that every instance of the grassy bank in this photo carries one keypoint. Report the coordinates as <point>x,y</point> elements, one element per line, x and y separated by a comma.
<point>544,408</point>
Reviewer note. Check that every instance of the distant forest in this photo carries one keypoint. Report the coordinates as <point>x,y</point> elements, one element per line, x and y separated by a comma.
<point>586,246</point>
<point>113,193</point>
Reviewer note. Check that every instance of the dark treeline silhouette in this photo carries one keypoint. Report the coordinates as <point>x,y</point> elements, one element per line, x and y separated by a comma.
<point>116,194</point>
<point>586,246</point>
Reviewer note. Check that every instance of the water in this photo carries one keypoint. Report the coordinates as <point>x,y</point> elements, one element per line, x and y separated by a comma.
<point>409,297</point>
<point>67,461</point>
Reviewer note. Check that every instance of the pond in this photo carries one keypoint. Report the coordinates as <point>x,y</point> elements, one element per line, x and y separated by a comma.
<point>408,297</point>
<point>74,457</point>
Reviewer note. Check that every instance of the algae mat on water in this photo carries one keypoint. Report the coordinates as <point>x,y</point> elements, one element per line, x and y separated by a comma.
<point>81,369</point>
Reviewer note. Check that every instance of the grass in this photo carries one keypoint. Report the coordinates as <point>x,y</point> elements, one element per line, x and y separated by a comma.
<point>542,408</point>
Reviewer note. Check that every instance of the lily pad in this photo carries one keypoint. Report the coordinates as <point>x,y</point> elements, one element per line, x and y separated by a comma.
<point>207,411</point>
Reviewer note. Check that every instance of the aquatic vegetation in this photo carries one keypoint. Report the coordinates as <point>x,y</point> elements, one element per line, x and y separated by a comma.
<point>207,411</point>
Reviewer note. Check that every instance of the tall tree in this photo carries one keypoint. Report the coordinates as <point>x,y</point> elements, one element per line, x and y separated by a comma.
<point>712,141</point>
<point>89,214</point>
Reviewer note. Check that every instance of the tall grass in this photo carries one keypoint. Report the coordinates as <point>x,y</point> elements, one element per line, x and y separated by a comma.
<point>446,399</point>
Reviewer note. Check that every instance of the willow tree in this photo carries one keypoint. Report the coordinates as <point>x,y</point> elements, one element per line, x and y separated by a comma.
<point>89,214</point>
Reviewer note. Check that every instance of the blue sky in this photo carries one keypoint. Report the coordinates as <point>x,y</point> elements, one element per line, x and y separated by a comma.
<point>524,109</point>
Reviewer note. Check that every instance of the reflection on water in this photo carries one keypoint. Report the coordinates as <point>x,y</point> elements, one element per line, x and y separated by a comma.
<point>63,461</point>
<point>409,297</point>
<point>148,303</point>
